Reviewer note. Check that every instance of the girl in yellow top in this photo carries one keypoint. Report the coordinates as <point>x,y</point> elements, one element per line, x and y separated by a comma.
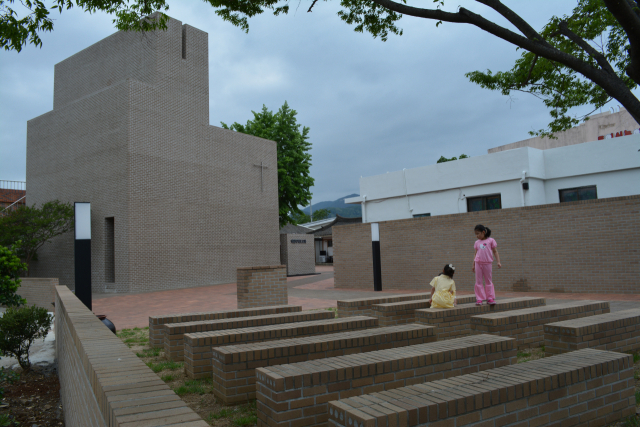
<point>443,288</point>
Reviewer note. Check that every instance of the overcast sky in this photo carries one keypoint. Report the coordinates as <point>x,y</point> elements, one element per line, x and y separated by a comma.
<point>372,107</point>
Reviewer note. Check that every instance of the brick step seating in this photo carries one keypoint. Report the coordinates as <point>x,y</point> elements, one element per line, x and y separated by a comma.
<point>584,388</point>
<point>156,323</point>
<point>174,332</point>
<point>234,379</point>
<point>362,306</point>
<point>618,331</point>
<point>402,312</point>
<point>297,394</point>
<point>198,346</point>
<point>527,325</point>
<point>456,322</point>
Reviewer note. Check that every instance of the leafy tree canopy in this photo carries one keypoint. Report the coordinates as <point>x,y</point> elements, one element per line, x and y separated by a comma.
<point>443,159</point>
<point>28,228</point>
<point>303,218</point>
<point>10,268</point>
<point>294,159</point>
<point>587,58</point>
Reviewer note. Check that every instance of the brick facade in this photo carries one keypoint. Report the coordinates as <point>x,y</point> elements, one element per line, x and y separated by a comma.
<point>586,388</point>
<point>297,394</point>
<point>527,325</point>
<point>297,252</point>
<point>102,382</point>
<point>547,248</point>
<point>618,331</point>
<point>38,291</point>
<point>456,322</point>
<point>260,286</point>
<point>234,378</point>
<point>199,347</point>
<point>156,323</point>
<point>176,203</point>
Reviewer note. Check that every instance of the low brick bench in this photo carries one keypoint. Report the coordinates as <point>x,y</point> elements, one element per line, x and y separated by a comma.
<point>619,331</point>
<point>456,322</point>
<point>362,306</point>
<point>585,388</point>
<point>174,332</point>
<point>198,346</point>
<point>403,312</point>
<point>297,394</point>
<point>156,323</point>
<point>234,366</point>
<point>527,325</point>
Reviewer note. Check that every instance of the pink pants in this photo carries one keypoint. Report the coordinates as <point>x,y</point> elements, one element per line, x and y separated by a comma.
<point>484,270</point>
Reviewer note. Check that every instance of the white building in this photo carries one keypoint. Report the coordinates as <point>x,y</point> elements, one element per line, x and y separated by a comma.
<point>518,177</point>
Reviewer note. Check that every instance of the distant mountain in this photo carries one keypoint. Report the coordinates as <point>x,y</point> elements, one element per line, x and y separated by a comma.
<point>338,207</point>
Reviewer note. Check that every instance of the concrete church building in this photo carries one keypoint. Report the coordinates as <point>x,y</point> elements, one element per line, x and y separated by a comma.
<point>175,202</point>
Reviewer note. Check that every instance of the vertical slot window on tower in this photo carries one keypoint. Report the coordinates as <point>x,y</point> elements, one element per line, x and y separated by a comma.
<point>184,42</point>
<point>109,251</point>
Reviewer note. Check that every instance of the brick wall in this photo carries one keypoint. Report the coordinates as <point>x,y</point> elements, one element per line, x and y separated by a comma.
<point>300,258</point>
<point>176,203</point>
<point>38,291</point>
<point>102,382</point>
<point>262,286</point>
<point>587,388</point>
<point>562,247</point>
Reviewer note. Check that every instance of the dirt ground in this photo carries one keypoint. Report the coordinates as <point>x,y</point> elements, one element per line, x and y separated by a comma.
<point>34,399</point>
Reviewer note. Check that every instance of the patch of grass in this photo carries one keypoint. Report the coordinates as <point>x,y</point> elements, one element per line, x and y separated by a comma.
<point>167,378</point>
<point>164,366</point>
<point>528,354</point>
<point>149,352</point>
<point>194,387</point>
<point>636,357</point>
<point>523,354</point>
<point>636,375</point>
<point>248,420</point>
<point>637,397</point>
<point>242,415</point>
<point>632,421</point>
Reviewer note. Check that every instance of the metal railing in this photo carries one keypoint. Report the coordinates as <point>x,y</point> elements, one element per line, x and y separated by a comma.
<point>13,185</point>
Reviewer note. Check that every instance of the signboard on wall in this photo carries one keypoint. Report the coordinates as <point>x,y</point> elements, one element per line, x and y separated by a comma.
<point>298,241</point>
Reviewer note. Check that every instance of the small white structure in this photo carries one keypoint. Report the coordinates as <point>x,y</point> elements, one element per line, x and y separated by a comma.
<point>506,179</point>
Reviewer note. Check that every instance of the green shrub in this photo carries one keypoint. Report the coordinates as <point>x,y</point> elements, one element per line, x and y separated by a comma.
<point>19,328</point>
<point>10,267</point>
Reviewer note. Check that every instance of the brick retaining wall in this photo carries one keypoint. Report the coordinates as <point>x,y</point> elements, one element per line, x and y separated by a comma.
<point>456,322</point>
<point>234,366</point>
<point>262,286</point>
<point>402,312</point>
<point>198,346</point>
<point>102,382</point>
<point>619,331</point>
<point>174,332</point>
<point>156,323</point>
<point>412,252</point>
<point>527,325</point>
<point>297,394</point>
<point>584,388</point>
<point>362,306</point>
<point>38,291</point>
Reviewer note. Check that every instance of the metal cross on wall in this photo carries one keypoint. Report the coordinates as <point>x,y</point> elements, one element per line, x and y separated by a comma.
<point>262,168</point>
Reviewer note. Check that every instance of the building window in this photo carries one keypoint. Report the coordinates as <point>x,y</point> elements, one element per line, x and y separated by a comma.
<point>421,215</point>
<point>579,193</point>
<point>484,203</point>
<point>109,250</point>
<point>330,243</point>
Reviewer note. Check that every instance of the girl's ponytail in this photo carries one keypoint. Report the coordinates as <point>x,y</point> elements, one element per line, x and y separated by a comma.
<point>481,228</point>
<point>449,270</point>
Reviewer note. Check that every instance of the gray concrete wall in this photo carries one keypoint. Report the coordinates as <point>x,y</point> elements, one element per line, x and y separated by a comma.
<point>133,137</point>
<point>298,257</point>
<point>598,125</point>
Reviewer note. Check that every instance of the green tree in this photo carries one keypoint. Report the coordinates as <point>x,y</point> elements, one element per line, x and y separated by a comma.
<point>443,159</point>
<point>586,58</point>
<point>28,228</point>
<point>10,268</point>
<point>294,159</point>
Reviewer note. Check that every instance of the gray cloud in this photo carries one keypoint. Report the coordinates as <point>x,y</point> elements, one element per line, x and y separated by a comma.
<point>372,107</point>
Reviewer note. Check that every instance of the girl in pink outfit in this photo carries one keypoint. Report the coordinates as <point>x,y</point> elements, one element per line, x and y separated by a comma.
<point>485,248</point>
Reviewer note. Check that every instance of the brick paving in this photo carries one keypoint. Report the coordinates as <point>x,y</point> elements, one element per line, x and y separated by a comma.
<point>310,292</point>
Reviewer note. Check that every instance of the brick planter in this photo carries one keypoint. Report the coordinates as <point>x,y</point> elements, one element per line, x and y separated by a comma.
<point>261,286</point>
<point>527,325</point>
